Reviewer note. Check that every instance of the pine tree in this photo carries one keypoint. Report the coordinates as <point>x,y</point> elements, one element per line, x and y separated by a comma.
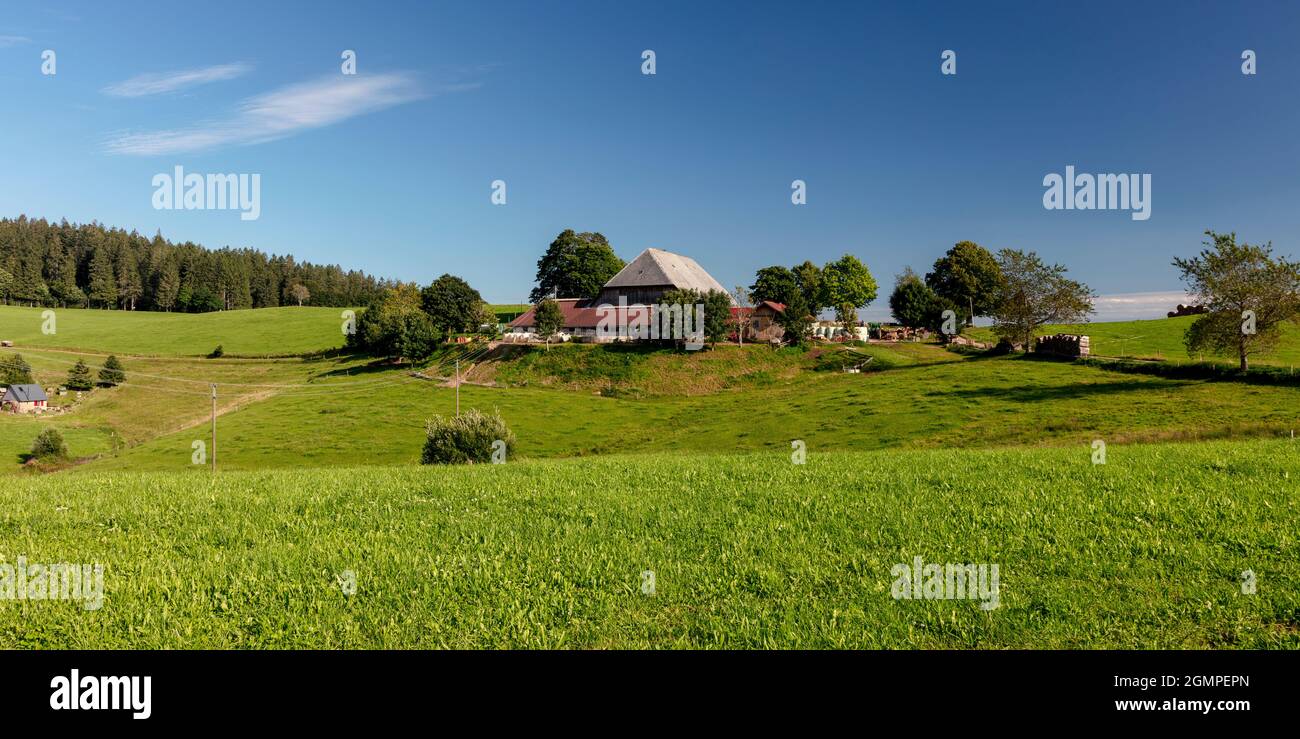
<point>103,287</point>
<point>166,285</point>
<point>129,287</point>
<point>112,373</point>
<point>14,370</point>
<point>79,377</point>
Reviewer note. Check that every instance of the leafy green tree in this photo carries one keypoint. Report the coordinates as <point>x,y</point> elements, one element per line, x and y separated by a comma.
<point>1033,294</point>
<point>79,377</point>
<point>796,320</point>
<point>808,278</point>
<point>717,312</point>
<point>915,305</point>
<point>549,319</point>
<point>452,305</point>
<point>967,276</point>
<point>576,265</point>
<point>1247,294</point>
<point>14,370</point>
<point>777,284</point>
<point>848,285</point>
<point>112,372</point>
<point>300,293</point>
<point>49,445</point>
<point>395,327</point>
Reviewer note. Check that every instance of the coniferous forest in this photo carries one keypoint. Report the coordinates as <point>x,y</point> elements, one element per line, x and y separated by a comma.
<point>91,265</point>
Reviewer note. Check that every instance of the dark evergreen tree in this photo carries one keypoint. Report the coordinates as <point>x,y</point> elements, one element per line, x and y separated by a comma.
<point>112,372</point>
<point>79,377</point>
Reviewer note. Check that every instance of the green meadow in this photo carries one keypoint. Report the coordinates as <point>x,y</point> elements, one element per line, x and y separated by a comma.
<point>748,551</point>
<point>255,333</point>
<point>1157,339</point>
<point>632,460</point>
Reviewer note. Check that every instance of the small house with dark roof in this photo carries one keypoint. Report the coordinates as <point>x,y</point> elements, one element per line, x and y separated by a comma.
<point>23,398</point>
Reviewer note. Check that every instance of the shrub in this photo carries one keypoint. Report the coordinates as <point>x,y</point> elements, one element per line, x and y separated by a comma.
<point>468,437</point>
<point>49,445</point>
<point>218,352</point>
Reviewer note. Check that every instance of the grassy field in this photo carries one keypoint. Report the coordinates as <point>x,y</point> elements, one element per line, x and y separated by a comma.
<point>1146,551</point>
<point>944,401</point>
<point>1156,339</point>
<point>261,332</point>
<point>632,460</point>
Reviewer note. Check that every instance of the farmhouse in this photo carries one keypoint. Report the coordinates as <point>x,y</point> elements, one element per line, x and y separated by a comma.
<point>760,321</point>
<point>654,272</point>
<point>642,282</point>
<point>23,398</point>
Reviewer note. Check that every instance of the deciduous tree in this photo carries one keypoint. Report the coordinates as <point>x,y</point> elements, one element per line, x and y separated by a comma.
<point>1033,294</point>
<point>1247,294</point>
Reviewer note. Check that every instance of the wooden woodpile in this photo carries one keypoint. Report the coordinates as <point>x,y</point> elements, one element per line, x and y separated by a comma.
<point>1062,345</point>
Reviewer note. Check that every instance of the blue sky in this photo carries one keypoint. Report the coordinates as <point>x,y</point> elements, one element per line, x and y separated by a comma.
<point>390,171</point>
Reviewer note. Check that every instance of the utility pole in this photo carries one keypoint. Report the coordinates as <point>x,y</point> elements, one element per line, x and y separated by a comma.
<point>214,428</point>
<point>457,387</point>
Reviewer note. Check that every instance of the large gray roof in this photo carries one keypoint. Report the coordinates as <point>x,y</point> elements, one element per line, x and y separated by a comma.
<point>654,267</point>
<point>25,393</point>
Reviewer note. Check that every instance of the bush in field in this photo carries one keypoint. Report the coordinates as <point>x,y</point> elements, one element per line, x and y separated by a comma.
<point>49,445</point>
<point>469,437</point>
<point>217,353</point>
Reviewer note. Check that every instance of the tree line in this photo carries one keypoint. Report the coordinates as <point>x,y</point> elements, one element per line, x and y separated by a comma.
<point>93,266</point>
<point>1242,295</point>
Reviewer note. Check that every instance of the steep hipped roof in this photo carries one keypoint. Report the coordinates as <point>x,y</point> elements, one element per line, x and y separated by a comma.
<point>656,267</point>
<point>586,314</point>
<point>24,393</point>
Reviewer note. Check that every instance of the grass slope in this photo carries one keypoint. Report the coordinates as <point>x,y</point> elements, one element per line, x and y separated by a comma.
<point>1160,338</point>
<point>161,396</point>
<point>1146,551</point>
<point>262,332</point>
<point>960,402</point>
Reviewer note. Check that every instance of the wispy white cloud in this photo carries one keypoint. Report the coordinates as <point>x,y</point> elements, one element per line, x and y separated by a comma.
<point>13,40</point>
<point>284,112</point>
<point>157,83</point>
